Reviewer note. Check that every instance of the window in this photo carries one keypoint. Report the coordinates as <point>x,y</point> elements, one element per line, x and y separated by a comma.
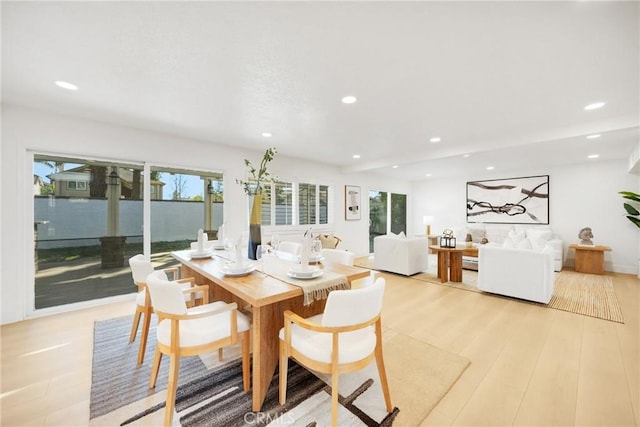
<point>311,207</point>
<point>284,203</point>
<point>313,204</point>
<point>306,204</point>
<point>77,185</point>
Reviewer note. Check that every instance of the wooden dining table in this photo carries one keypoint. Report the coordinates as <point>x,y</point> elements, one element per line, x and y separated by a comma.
<point>264,298</point>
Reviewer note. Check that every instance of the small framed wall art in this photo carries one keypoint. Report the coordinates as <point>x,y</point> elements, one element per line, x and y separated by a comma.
<point>351,202</point>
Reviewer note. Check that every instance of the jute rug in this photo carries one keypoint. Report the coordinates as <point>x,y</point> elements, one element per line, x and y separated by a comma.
<point>210,394</point>
<point>586,294</point>
<point>589,294</point>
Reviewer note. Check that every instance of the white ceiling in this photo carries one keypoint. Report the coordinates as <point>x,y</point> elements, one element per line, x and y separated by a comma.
<point>505,82</point>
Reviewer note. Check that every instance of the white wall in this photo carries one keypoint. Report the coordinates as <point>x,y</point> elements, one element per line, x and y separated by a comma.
<point>580,195</point>
<point>25,130</point>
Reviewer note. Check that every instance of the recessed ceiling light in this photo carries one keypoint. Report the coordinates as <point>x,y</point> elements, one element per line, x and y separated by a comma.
<point>356,156</point>
<point>466,155</point>
<point>427,174</point>
<point>267,134</point>
<point>490,168</point>
<point>594,106</point>
<point>435,139</point>
<point>395,166</point>
<point>597,135</point>
<point>349,99</point>
<point>66,85</point>
<point>593,156</point>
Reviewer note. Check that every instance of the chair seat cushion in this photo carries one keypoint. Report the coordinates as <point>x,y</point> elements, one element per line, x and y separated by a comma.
<point>203,330</point>
<point>353,346</point>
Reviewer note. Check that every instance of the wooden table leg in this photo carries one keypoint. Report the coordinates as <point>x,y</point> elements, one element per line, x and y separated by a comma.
<point>455,266</point>
<point>443,268</point>
<point>267,321</point>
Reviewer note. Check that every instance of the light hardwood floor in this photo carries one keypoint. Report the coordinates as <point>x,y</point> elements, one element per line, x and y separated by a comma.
<point>530,365</point>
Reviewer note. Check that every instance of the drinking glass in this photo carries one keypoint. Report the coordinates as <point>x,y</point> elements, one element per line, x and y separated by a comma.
<point>275,241</point>
<point>261,251</point>
<point>316,250</point>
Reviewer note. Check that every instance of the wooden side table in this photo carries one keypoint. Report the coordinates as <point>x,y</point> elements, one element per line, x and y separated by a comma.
<point>449,263</point>
<point>590,259</point>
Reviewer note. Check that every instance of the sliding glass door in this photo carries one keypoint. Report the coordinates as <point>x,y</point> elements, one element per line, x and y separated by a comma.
<point>87,222</point>
<point>377,215</point>
<point>386,214</point>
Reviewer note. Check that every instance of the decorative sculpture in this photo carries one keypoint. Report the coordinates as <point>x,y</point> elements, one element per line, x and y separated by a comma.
<point>585,236</point>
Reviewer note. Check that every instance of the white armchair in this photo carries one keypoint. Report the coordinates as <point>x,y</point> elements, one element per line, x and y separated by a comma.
<point>518,273</point>
<point>402,255</point>
<point>338,256</point>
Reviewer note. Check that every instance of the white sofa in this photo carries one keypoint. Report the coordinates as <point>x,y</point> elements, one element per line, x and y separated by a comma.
<point>523,236</point>
<point>400,254</point>
<point>518,273</point>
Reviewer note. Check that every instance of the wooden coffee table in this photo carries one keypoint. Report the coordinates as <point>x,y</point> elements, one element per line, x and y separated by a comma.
<point>450,262</point>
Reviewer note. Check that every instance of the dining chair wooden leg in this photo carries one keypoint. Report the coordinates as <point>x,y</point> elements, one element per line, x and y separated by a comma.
<point>220,354</point>
<point>284,359</point>
<point>246,361</point>
<point>155,368</point>
<point>383,378</point>
<point>134,325</point>
<point>382,372</point>
<point>334,398</point>
<point>146,322</point>
<point>172,385</point>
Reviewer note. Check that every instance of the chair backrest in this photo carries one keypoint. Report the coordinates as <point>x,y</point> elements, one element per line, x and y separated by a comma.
<point>140,268</point>
<point>338,256</point>
<point>290,247</point>
<point>353,306</point>
<point>166,296</point>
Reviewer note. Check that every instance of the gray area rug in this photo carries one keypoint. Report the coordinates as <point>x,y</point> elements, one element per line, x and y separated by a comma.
<point>214,396</point>
<point>116,379</point>
<point>217,399</point>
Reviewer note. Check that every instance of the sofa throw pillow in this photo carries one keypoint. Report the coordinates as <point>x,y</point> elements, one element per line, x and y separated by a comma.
<point>508,243</point>
<point>537,243</point>
<point>402,235</point>
<point>517,235</point>
<point>539,234</point>
<point>524,244</point>
<point>329,241</point>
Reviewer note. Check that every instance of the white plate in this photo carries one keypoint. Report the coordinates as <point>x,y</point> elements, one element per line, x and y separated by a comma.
<point>313,275</point>
<point>302,270</point>
<point>233,270</point>
<point>198,255</point>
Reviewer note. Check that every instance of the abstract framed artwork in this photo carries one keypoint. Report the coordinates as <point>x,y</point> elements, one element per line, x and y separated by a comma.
<point>351,202</point>
<point>513,200</point>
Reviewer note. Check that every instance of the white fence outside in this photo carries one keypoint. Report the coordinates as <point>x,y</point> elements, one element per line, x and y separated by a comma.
<point>66,222</point>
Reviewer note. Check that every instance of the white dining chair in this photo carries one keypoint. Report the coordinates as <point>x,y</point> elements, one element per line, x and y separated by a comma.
<point>345,338</point>
<point>338,256</point>
<point>192,331</point>
<point>141,267</point>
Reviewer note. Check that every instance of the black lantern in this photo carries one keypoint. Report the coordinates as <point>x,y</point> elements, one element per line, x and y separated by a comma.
<point>114,179</point>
